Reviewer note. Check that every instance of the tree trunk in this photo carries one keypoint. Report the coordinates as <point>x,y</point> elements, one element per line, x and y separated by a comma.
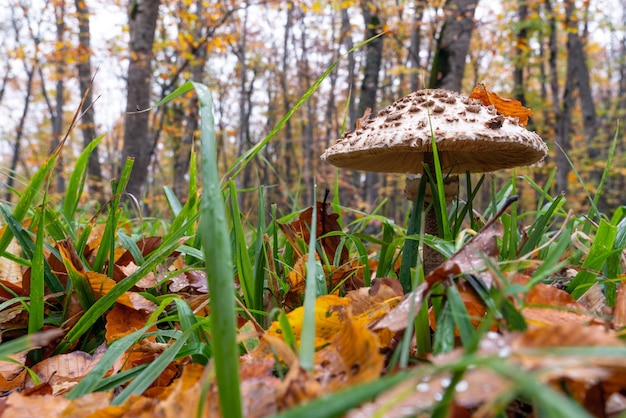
<point>452,45</point>
<point>19,131</point>
<point>143,15</point>
<point>182,149</point>
<point>414,48</point>
<point>346,32</point>
<point>284,90</point>
<point>56,111</point>
<point>520,52</point>
<point>369,87</point>
<point>94,172</point>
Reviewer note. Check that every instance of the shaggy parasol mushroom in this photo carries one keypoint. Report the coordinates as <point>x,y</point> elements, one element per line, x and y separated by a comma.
<point>470,136</point>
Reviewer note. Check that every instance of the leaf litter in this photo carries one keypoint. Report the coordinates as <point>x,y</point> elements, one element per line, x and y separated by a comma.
<point>566,346</point>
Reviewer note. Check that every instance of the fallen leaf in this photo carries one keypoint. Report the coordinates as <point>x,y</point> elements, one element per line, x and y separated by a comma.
<point>20,406</point>
<point>341,364</point>
<point>548,305</point>
<point>398,318</point>
<point>506,107</point>
<point>101,284</point>
<point>470,259</point>
<point>89,404</point>
<point>122,320</point>
<point>64,371</point>
<point>326,222</point>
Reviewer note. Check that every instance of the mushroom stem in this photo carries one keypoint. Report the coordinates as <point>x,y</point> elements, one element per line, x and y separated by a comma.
<point>431,257</point>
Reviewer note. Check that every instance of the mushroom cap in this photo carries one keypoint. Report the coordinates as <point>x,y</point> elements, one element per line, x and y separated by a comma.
<point>469,135</point>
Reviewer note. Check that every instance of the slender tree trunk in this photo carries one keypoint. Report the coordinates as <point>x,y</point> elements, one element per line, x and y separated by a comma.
<point>578,58</point>
<point>56,112</point>
<point>369,87</point>
<point>520,52</point>
<point>19,131</point>
<point>182,149</point>
<point>346,31</point>
<point>143,15</point>
<point>452,45</point>
<point>307,121</point>
<point>243,133</point>
<point>94,172</point>
<point>284,90</point>
<point>414,48</point>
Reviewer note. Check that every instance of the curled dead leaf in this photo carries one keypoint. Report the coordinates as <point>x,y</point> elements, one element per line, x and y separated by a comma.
<point>506,107</point>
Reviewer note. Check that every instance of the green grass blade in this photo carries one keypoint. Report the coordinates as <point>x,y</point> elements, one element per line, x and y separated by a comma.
<point>242,257</point>
<point>27,198</point>
<point>37,277</point>
<point>218,259</point>
<point>605,173</point>
<point>150,374</point>
<point>307,339</point>
<point>107,246</point>
<point>539,228</point>
<point>23,237</point>
<point>88,383</point>
<point>187,321</point>
<point>172,201</point>
<point>411,246</point>
<point>76,182</point>
<point>601,249</point>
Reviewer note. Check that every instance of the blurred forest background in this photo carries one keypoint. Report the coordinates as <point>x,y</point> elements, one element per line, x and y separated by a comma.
<point>564,59</point>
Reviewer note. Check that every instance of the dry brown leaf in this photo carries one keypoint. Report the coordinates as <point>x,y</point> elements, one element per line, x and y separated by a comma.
<point>10,271</point>
<point>102,284</point>
<point>122,320</point>
<point>506,107</point>
<point>11,369</point>
<point>63,371</point>
<point>189,388</point>
<point>298,387</point>
<point>398,318</point>
<point>7,385</point>
<point>20,406</point>
<point>549,305</point>
<point>326,222</point>
<point>197,280</point>
<point>470,259</point>
<point>88,404</point>
<point>341,363</point>
<point>567,335</point>
<point>178,283</point>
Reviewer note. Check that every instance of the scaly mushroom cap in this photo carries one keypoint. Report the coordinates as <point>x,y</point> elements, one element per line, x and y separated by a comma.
<point>470,137</point>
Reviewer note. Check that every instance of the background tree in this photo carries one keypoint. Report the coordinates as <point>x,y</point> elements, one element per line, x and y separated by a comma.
<point>85,76</point>
<point>452,45</point>
<point>369,85</point>
<point>142,18</point>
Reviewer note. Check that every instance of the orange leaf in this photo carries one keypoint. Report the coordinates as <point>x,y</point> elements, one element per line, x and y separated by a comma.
<point>101,284</point>
<point>122,321</point>
<point>506,107</point>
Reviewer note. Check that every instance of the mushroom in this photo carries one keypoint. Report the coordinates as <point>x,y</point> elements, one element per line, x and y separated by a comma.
<point>469,136</point>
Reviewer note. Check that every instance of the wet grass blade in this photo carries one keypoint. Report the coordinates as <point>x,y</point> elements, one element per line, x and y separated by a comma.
<point>218,259</point>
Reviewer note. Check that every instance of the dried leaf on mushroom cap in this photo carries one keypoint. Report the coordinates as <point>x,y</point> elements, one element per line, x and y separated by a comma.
<point>470,137</point>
